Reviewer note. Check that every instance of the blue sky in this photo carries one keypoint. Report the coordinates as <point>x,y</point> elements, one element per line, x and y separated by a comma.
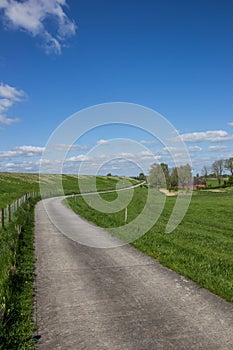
<point>59,57</point>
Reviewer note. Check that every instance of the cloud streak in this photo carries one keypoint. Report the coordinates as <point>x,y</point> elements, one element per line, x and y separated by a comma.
<point>148,142</point>
<point>31,16</point>
<point>217,148</point>
<point>21,151</point>
<point>102,142</point>
<point>210,135</point>
<point>65,147</point>
<point>195,149</point>
<point>9,95</point>
<point>8,121</point>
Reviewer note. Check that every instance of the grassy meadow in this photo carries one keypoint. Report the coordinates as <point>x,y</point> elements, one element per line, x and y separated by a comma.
<point>212,182</point>
<point>201,246</point>
<point>15,185</point>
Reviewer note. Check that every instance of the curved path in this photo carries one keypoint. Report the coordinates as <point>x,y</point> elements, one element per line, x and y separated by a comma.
<point>116,298</point>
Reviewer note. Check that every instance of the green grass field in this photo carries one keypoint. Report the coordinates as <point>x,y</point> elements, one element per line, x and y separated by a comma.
<point>213,182</point>
<point>201,246</point>
<point>14,185</point>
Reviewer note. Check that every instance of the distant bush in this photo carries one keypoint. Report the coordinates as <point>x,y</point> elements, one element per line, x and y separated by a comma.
<point>230,180</point>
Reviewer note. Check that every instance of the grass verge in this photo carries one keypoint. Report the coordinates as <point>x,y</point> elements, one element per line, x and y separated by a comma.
<point>16,280</point>
<point>201,246</point>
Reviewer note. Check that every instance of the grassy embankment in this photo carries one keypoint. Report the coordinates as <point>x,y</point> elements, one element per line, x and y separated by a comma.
<point>201,246</point>
<point>14,185</point>
<point>16,280</point>
<point>17,255</point>
<point>17,264</point>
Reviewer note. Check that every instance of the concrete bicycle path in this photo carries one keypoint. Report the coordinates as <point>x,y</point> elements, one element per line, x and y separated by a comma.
<point>116,298</point>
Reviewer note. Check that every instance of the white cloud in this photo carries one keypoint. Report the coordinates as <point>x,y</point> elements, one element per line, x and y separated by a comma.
<point>147,142</point>
<point>102,142</point>
<point>79,158</point>
<point>8,121</point>
<point>169,149</point>
<point>30,149</point>
<point>5,104</point>
<point>21,151</point>
<point>211,136</point>
<point>217,148</point>
<point>146,153</point>
<point>67,147</point>
<point>31,16</point>
<point>122,160</point>
<point>8,96</point>
<point>230,123</point>
<point>10,93</point>
<point>195,149</point>
<point>148,156</point>
<point>125,155</point>
<point>20,167</point>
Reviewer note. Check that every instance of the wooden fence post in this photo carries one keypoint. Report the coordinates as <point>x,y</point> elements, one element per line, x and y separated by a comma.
<point>9,212</point>
<point>126,214</point>
<point>3,221</point>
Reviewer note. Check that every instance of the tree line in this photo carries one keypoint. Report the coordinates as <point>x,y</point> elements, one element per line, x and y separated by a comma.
<point>161,176</point>
<point>218,168</point>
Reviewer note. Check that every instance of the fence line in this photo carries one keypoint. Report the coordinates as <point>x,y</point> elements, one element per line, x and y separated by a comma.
<point>7,213</point>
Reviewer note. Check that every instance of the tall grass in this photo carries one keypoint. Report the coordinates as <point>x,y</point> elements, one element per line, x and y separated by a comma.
<point>16,280</point>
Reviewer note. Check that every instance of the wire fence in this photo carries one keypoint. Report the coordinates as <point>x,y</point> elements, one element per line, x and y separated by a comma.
<point>7,213</point>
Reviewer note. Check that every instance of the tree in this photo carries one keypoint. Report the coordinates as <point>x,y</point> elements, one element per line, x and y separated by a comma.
<point>228,164</point>
<point>174,178</point>
<point>185,175</point>
<point>230,180</point>
<point>157,176</point>
<point>165,169</point>
<point>204,171</point>
<point>142,177</point>
<point>217,167</point>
